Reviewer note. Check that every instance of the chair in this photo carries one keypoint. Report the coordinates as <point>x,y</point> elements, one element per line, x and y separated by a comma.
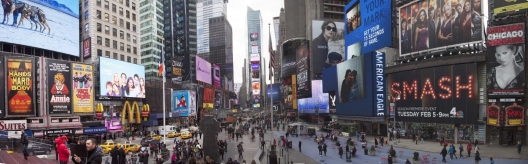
<point>401,153</point>
<point>384,160</point>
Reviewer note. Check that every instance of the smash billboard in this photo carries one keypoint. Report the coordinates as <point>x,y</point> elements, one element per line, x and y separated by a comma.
<point>444,94</point>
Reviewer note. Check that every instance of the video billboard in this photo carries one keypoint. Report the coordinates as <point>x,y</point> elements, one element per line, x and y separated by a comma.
<point>444,94</point>
<point>435,24</point>
<point>255,58</point>
<point>505,60</point>
<point>507,7</point>
<point>83,95</point>
<point>192,104</point>
<point>181,100</point>
<point>303,70</point>
<point>121,79</point>
<point>60,86</point>
<point>328,40</point>
<point>20,78</point>
<point>369,23</point>
<point>287,92</point>
<point>289,66</point>
<point>351,75</point>
<point>318,101</point>
<point>216,75</point>
<point>253,36</point>
<point>58,24</point>
<point>208,98</point>
<point>87,48</point>
<point>274,89</point>
<point>218,100</point>
<point>505,112</point>
<point>2,86</point>
<point>203,70</point>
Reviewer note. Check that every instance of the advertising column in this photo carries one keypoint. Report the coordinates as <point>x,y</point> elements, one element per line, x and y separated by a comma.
<point>59,84</point>
<point>20,96</point>
<point>83,97</point>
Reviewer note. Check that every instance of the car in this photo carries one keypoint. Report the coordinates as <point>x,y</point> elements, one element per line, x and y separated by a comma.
<point>146,141</point>
<point>186,135</point>
<point>173,134</point>
<point>106,150</point>
<point>39,150</point>
<point>156,137</point>
<point>131,148</point>
<point>109,144</point>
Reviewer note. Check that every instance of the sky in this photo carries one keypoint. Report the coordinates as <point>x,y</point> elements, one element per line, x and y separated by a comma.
<point>237,16</point>
<point>73,5</point>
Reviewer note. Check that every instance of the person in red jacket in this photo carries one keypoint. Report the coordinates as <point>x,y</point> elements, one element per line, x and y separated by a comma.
<point>62,150</point>
<point>468,148</point>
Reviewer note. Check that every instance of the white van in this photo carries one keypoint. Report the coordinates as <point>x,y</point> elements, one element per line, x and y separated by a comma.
<point>166,130</point>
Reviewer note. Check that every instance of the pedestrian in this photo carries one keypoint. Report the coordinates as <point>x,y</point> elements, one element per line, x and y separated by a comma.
<point>461,149</point>
<point>300,143</point>
<point>477,157</point>
<point>62,150</point>
<point>92,155</point>
<point>382,140</point>
<point>492,161</point>
<point>200,133</point>
<point>262,143</point>
<point>451,152</point>
<point>389,159</point>
<point>376,141</point>
<point>173,158</point>
<point>320,149</point>
<point>476,148</point>
<point>347,148</point>
<point>443,153</point>
<point>441,140</point>
<point>340,150</point>
<point>160,159</point>
<point>407,161</point>
<point>468,148</point>
<point>324,149</point>
<point>357,135</point>
<point>122,155</point>
<point>519,146</point>
<point>25,142</point>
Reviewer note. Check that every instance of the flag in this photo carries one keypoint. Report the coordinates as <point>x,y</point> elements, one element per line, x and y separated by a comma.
<point>272,58</point>
<point>160,69</point>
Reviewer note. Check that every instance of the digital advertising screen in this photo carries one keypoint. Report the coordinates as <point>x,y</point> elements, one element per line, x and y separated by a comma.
<point>507,7</point>
<point>505,112</point>
<point>318,101</point>
<point>216,75</point>
<point>83,97</point>
<point>274,91</point>
<point>192,104</point>
<point>60,86</point>
<point>208,98</point>
<point>218,99</point>
<point>368,22</point>
<point>437,24</point>
<point>287,92</point>
<point>253,36</point>
<point>289,66</point>
<point>20,91</point>
<point>255,58</point>
<point>328,40</point>
<point>56,25</point>
<point>203,70</point>
<point>505,74</point>
<point>121,79</point>
<point>351,78</point>
<point>303,70</point>
<point>181,103</point>
<point>443,94</point>
<point>255,66</point>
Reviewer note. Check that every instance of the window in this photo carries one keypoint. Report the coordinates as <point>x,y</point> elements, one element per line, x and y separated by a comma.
<point>99,40</point>
<point>107,30</point>
<point>98,12</point>
<point>128,48</point>
<point>115,56</point>
<point>121,35</point>
<point>98,2</point>
<point>127,3</point>
<point>127,14</point>
<point>114,45</point>
<point>134,40</point>
<point>85,3</point>
<point>121,11</point>
<point>133,6</point>
<point>114,32</point>
<point>107,54</point>
<point>107,17</point>
<point>128,59</point>
<point>134,27</point>
<point>135,60</point>
<point>121,23</point>
<point>121,1</point>
<point>122,57</point>
<point>134,50</point>
<point>121,46</point>
<point>106,5</point>
<point>107,42</point>
<point>114,8</point>
<point>133,17</point>
<point>98,27</point>
<point>99,52</point>
<point>128,36</point>
<point>128,25</point>
<point>86,15</point>
<point>114,20</point>
<point>87,28</point>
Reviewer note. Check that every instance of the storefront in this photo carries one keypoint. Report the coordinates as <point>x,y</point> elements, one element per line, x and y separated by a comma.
<point>505,121</point>
<point>11,128</point>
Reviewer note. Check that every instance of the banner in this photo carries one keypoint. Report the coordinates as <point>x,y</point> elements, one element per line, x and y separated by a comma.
<point>216,75</point>
<point>444,94</point>
<point>326,52</point>
<point>59,85</point>
<point>2,87</point>
<point>508,7</point>
<point>505,60</point>
<point>83,95</point>
<point>203,70</point>
<point>20,96</point>
<point>180,104</point>
<point>304,89</point>
<point>505,112</point>
<point>294,91</point>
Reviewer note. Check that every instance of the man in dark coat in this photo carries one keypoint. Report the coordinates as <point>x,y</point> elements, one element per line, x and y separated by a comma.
<point>443,153</point>
<point>122,156</point>
<point>114,153</point>
<point>300,143</point>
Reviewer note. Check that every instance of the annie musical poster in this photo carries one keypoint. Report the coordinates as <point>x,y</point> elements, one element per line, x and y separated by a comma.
<point>20,96</point>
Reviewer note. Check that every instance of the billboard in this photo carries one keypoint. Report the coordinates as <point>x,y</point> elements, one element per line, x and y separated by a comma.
<point>328,40</point>
<point>255,58</point>
<point>318,101</point>
<point>203,70</point>
<point>253,36</point>
<point>2,86</point>
<point>192,104</point>
<point>57,23</point>
<point>303,70</point>
<point>444,94</point>
<point>87,48</point>
<point>505,60</point>
<point>218,100</point>
<point>331,101</point>
<point>289,66</point>
<point>358,85</point>
<point>287,92</point>
<point>274,89</point>
<point>83,97</point>
<point>121,79</point>
<point>60,86</point>
<point>369,23</point>
<point>255,66</point>
<point>423,24</point>
<point>255,88</point>
<point>182,103</point>
<point>505,112</point>
<point>20,95</point>
<point>208,98</point>
<point>216,75</point>
<point>503,7</point>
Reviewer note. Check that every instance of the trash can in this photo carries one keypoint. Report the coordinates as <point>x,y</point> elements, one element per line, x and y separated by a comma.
<point>289,144</point>
<point>366,151</point>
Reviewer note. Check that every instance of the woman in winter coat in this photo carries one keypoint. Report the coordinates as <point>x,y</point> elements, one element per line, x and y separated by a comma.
<point>477,157</point>
<point>444,153</point>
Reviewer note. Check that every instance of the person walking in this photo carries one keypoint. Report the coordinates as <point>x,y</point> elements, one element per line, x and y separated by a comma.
<point>324,149</point>
<point>320,149</point>
<point>461,149</point>
<point>477,157</point>
<point>340,151</point>
<point>444,153</point>
<point>347,148</point>
<point>300,143</point>
<point>375,141</point>
<point>492,161</point>
<point>62,150</point>
<point>451,152</point>
<point>25,142</point>
<point>519,146</point>
<point>468,148</point>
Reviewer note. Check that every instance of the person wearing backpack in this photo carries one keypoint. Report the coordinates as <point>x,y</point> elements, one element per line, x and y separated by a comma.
<point>461,148</point>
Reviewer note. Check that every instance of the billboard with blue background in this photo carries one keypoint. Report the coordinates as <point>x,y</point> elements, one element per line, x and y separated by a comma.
<point>121,79</point>
<point>368,22</point>
<point>180,103</point>
<point>275,90</point>
<point>319,100</point>
<point>359,85</point>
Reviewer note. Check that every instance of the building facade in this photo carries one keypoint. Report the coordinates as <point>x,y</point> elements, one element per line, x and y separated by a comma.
<point>207,9</point>
<point>220,46</point>
<point>151,35</point>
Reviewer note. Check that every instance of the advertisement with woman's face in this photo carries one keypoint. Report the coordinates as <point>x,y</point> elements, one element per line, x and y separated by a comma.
<point>351,78</point>
<point>327,46</point>
<point>120,79</point>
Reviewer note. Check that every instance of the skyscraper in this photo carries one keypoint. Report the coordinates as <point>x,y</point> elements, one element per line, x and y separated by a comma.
<point>254,24</point>
<point>220,43</point>
<point>151,36</point>
<point>206,9</point>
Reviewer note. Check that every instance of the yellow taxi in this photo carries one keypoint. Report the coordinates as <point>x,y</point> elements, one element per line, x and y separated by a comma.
<point>109,144</point>
<point>156,137</point>
<point>173,134</point>
<point>186,135</point>
<point>106,150</point>
<point>131,148</point>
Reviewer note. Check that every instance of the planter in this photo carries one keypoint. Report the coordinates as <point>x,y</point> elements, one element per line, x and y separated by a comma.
<point>394,159</point>
<point>415,162</point>
<point>372,153</point>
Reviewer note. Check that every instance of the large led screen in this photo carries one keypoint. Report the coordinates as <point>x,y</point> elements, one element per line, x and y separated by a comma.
<point>203,70</point>
<point>505,60</point>
<point>303,70</point>
<point>328,40</point>
<point>121,79</point>
<point>288,65</point>
<point>445,94</point>
<point>435,24</point>
<point>318,101</point>
<point>208,98</point>
<point>507,7</point>
<point>216,75</point>
<point>369,23</point>
<point>273,91</point>
<point>53,25</point>
<point>183,102</point>
<point>60,86</point>
<point>20,91</point>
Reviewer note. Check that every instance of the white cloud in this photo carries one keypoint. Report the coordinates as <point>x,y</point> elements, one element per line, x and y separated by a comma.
<point>237,16</point>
